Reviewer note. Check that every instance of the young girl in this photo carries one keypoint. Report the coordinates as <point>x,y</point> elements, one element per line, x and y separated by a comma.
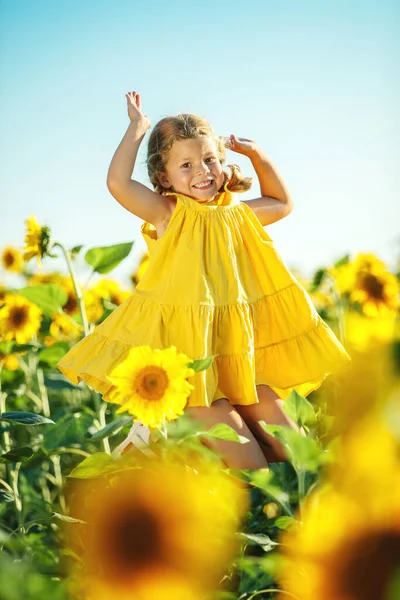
<point>215,285</point>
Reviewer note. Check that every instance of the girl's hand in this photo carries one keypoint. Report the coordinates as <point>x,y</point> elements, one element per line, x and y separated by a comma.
<point>134,110</point>
<point>241,145</point>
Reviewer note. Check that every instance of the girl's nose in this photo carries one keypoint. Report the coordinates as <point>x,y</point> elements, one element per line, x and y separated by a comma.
<point>203,168</point>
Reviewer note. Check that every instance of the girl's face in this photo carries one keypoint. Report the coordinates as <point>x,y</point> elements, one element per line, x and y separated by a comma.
<point>193,168</point>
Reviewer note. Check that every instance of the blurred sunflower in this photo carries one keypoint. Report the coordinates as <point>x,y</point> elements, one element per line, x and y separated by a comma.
<point>65,282</point>
<point>363,333</point>
<point>11,259</point>
<point>361,386</point>
<point>37,240</point>
<point>135,539</point>
<point>110,290</point>
<point>9,361</point>
<point>151,384</point>
<point>93,306</point>
<point>368,283</point>
<point>62,327</point>
<point>348,545</point>
<point>138,274</point>
<point>20,319</point>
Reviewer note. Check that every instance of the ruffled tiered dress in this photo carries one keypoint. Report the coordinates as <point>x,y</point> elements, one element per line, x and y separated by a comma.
<point>215,285</point>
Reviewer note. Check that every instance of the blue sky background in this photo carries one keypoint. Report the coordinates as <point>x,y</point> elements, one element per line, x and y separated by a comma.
<point>313,83</point>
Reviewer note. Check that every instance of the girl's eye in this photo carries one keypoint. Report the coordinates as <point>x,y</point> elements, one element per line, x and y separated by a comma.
<point>211,158</point>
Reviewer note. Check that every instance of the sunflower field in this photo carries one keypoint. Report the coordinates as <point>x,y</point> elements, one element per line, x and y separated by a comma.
<point>90,509</point>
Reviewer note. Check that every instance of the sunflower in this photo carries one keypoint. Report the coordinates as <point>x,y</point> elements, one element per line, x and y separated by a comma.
<point>363,333</point>
<point>63,327</point>
<point>9,361</point>
<point>93,306</point>
<point>151,384</point>
<point>138,274</point>
<point>20,319</point>
<point>12,259</point>
<point>37,240</point>
<point>135,539</point>
<point>377,293</point>
<point>360,386</point>
<point>368,283</point>
<point>110,290</point>
<point>348,545</point>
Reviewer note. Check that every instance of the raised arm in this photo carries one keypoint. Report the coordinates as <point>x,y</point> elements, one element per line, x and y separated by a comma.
<point>132,195</point>
<point>275,202</point>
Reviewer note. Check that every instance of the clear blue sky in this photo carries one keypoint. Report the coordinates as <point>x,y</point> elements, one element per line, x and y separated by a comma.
<point>314,83</point>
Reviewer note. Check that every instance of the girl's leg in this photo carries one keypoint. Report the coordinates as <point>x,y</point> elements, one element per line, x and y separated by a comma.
<point>233,454</point>
<point>268,409</point>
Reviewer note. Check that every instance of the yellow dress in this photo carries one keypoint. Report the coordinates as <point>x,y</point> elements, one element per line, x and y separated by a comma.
<point>215,285</point>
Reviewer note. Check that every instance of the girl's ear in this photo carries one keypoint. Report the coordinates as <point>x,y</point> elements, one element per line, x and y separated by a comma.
<point>163,179</point>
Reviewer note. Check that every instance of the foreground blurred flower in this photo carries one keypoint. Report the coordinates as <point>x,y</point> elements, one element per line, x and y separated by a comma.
<point>138,274</point>
<point>37,240</point>
<point>20,319</point>
<point>11,259</point>
<point>151,384</point>
<point>135,539</point>
<point>361,386</point>
<point>348,546</point>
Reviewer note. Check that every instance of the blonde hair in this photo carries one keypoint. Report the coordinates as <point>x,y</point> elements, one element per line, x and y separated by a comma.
<point>184,127</point>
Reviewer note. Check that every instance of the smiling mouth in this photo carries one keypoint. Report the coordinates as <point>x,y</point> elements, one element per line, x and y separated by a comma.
<point>204,185</point>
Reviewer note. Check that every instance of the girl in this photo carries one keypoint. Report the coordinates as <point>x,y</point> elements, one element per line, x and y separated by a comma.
<point>214,285</point>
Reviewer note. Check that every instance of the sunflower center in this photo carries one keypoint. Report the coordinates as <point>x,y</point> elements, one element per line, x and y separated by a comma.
<point>151,382</point>
<point>371,563</point>
<point>8,259</point>
<point>373,286</point>
<point>19,316</point>
<point>134,541</point>
<point>71,305</point>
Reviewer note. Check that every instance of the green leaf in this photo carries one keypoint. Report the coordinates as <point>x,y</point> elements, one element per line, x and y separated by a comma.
<point>264,481</point>
<point>106,258</point>
<point>59,382</point>
<point>303,452</point>
<point>70,429</point>
<point>300,410</point>
<point>67,519</point>
<point>112,428</point>
<point>25,418</point>
<point>202,363</point>
<point>225,432</point>
<point>17,454</point>
<point>75,250</point>
<point>259,539</point>
<point>49,297</point>
<point>284,522</point>
<point>318,279</point>
<point>94,466</point>
<point>51,356</point>
<point>342,261</point>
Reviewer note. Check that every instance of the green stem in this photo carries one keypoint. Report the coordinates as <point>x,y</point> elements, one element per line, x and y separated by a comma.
<point>43,392</point>
<point>17,497</point>
<point>6,485</point>
<point>269,591</point>
<point>103,423</point>
<point>301,481</point>
<point>6,434</point>
<point>58,475</point>
<point>77,289</point>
